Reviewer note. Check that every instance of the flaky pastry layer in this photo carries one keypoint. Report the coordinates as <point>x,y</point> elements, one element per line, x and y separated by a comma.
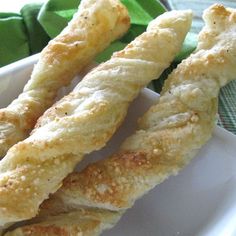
<point>91,30</point>
<point>169,134</point>
<point>86,119</point>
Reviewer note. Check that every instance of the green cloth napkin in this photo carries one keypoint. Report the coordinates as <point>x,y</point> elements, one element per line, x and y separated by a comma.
<point>55,15</point>
<point>37,37</point>
<point>14,41</point>
<point>21,34</point>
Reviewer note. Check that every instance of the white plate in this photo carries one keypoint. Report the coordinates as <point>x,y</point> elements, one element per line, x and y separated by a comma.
<point>201,200</point>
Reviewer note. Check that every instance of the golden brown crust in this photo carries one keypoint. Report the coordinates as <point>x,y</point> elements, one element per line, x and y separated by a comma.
<point>91,30</point>
<point>86,119</point>
<point>169,134</point>
<point>82,222</point>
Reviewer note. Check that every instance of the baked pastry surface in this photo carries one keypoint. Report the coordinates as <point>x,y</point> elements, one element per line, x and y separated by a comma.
<point>86,119</point>
<point>169,134</point>
<point>92,29</point>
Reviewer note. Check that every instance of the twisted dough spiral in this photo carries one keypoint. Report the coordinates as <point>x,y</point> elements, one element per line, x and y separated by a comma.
<point>169,134</point>
<point>91,30</point>
<point>82,222</point>
<point>172,131</point>
<point>86,119</point>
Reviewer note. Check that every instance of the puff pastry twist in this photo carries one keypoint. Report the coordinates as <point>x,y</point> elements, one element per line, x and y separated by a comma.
<point>169,134</point>
<point>83,222</point>
<point>85,120</point>
<point>91,30</point>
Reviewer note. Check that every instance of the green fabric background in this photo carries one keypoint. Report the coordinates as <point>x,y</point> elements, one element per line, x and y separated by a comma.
<point>13,38</point>
<point>37,37</point>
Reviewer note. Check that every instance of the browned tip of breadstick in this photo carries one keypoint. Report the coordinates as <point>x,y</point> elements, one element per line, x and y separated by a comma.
<point>102,21</point>
<point>123,21</point>
<point>219,20</point>
<point>219,13</point>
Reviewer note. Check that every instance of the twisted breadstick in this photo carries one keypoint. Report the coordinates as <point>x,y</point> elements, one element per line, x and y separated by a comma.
<point>172,131</point>
<point>93,27</point>
<point>169,134</point>
<point>85,120</point>
<point>84,222</point>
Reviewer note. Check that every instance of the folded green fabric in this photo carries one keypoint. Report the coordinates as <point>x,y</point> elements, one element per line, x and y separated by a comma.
<point>142,12</point>
<point>14,41</point>
<point>37,37</point>
<point>21,35</point>
<point>55,15</point>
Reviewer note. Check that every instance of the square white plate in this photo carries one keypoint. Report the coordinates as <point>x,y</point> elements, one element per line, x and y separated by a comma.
<point>201,200</point>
